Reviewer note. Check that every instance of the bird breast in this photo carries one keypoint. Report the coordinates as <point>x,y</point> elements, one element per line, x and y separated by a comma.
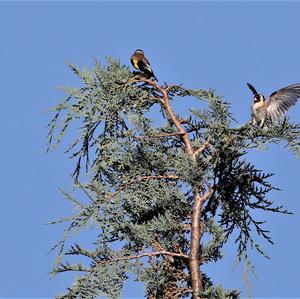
<point>259,106</point>
<point>259,109</point>
<point>134,62</point>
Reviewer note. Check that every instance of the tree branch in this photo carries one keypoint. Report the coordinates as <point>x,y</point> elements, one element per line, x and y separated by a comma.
<point>185,137</point>
<point>197,230</point>
<point>202,148</point>
<point>158,135</point>
<point>197,227</point>
<point>141,255</point>
<point>143,178</point>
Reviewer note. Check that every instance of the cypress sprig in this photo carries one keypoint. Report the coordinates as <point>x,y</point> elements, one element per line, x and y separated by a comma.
<point>162,199</point>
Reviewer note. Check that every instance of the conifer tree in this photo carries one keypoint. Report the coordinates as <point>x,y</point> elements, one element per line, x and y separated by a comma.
<point>152,191</point>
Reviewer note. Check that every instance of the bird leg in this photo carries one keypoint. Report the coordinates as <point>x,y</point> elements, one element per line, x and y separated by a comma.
<point>262,122</point>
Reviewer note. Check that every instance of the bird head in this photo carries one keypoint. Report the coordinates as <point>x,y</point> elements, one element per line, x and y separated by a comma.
<point>257,97</point>
<point>138,51</point>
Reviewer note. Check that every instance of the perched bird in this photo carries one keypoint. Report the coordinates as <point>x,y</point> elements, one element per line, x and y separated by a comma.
<point>141,63</point>
<point>276,104</point>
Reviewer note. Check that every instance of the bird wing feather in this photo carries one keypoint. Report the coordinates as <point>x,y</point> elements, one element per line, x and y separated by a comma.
<point>281,100</point>
<point>144,65</point>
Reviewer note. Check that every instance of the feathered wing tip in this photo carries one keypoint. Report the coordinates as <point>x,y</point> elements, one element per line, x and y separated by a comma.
<point>148,70</point>
<point>281,100</point>
<point>292,89</point>
<point>251,87</point>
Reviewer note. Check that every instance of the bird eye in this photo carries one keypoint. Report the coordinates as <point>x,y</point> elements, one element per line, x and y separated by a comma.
<point>257,98</point>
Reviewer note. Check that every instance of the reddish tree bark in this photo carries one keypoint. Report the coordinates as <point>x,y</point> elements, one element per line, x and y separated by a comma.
<point>197,227</point>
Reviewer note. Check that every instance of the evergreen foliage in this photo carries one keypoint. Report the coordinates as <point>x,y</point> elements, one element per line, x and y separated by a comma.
<point>140,183</point>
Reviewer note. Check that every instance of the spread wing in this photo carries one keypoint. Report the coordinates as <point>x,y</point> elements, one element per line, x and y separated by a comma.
<point>281,100</point>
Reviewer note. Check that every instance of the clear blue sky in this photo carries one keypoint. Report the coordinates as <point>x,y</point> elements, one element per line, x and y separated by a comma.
<point>200,44</point>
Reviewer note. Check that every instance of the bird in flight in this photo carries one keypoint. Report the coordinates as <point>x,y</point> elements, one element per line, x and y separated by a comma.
<point>141,63</point>
<point>276,104</point>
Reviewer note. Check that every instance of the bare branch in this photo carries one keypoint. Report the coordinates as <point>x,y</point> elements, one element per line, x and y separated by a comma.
<point>185,137</point>
<point>197,230</point>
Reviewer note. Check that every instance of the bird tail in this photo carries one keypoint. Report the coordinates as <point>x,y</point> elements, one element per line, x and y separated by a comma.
<point>150,75</point>
<point>154,77</point>
<point>252,88</point>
